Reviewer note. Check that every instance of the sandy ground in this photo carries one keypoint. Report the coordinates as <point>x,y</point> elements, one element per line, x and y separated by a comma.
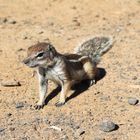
<point>66,23</point>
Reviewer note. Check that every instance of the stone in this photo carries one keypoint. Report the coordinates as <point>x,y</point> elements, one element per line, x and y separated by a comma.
<point>3,20</point>
<point>64,137</point>
<point>80,132</point>
<point>11,83</point>
<point>9,114</point>
<point>11,21</point>
<point>24,138</point>
<point>12,129</point>
<point>132,100</point>
<point>19,105</point>
<point>25,37</point>
<point>107,126</point>
<point>98,138</point>
<point>20,49</point>
<point>2,129</point>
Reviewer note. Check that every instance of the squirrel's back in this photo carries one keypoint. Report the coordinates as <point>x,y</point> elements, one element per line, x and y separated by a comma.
<point>95,47</point>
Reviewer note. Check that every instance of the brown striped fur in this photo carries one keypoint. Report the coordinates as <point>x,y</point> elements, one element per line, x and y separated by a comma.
<point>63,69</point>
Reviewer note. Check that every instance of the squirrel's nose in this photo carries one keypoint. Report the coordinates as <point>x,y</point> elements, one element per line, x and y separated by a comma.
<point>25,61</point>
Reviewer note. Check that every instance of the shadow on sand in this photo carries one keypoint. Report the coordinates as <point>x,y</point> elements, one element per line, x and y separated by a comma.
<point>78,88</point>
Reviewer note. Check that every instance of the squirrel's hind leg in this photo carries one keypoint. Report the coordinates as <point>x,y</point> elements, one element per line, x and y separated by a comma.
<point>90,70</point>
<point>92,82</point>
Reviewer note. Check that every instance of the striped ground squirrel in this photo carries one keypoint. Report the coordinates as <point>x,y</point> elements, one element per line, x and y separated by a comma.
<point>66,69</point>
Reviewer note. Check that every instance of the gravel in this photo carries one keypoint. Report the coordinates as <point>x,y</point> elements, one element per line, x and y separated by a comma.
<point>107,126</point>
<point>132,100</point>
<point>80,132</point>
<point>2,129</point>
<point>98,138</point>
<point>3,20</point>
<point>11,21</point>
<point>2,132</point>
<point>9,114</point>
<point>105,98</point>
<point>11,83</point>
<point>64,137</point>
<point>12,129</point>
<point>24,138</point>
<point>19,105</point>
<point>7,20</point>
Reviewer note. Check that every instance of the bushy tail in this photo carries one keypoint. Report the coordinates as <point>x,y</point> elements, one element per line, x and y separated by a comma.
<point>95,47</point>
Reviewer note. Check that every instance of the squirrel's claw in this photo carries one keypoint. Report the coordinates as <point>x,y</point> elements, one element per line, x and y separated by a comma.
<point>92,82</point>
<point>38,107</point>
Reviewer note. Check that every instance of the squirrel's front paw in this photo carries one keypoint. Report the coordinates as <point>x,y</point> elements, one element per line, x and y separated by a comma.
<point>59,104</point>
<point>39,106</point>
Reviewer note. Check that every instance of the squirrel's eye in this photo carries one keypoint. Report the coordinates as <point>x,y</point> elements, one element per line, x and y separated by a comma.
<point>40,55</point>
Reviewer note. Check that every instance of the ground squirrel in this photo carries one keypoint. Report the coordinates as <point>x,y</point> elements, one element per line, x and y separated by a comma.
<point>66,69</point>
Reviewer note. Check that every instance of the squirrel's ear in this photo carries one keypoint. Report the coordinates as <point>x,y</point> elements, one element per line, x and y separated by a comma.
<point>52,51</point>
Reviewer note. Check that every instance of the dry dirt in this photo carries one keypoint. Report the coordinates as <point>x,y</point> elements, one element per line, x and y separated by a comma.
<point>66,23</point>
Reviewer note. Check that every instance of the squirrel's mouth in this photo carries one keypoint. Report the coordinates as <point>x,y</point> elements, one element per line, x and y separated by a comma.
<point>33,66</point>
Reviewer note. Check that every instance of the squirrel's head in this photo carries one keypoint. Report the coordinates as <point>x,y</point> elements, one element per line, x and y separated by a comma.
<point>41,54</point>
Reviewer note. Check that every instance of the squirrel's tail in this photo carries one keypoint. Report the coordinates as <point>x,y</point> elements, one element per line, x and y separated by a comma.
<point>95,47</point>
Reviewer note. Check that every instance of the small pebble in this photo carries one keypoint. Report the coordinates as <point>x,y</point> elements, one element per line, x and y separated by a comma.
<point>134,78</point>
<point>25,37</point>
<point>64,137</point>
<point>98,138</point>
<point>50,23</point>
<point>107,126</point>
<point>114,139</point>
<point>19,105</point>
<point>12,83</point>
<point>105,98</point>
<point>12,129</point>
<point>119,29</point>
<point>56,128</point>
<point>41,32</point>
<point>76,22</point>
<point>80,132</point>
<point>9,114</point>
<point>2,129</point>
<point>132,100</point>
<point>24,138</point>
<point>7,20</point>
<point>3,20</point>
<point>77,127</point>
<point>21,49</point>
<point>11,21</point>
